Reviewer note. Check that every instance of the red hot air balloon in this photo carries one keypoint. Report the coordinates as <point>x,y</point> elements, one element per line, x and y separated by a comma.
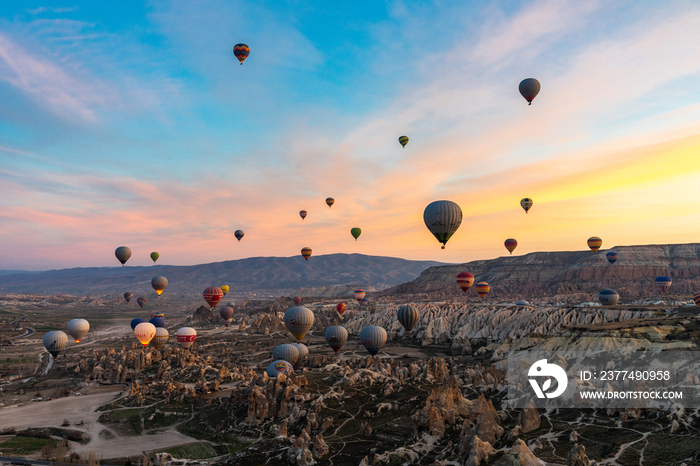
<point>213,295</point>
<point>511,244</point>
<point>341,308</point>
<point>241,51</point>
<point>297,300</point>
<point>465,280</point>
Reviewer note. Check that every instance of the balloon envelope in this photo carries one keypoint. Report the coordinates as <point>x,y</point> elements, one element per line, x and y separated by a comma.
<point>330,201</point>
<point>306,253</point>
<point>78,328</point>
<point>160,338</point>
<point>239,234</point>
<point>355,232</point>
<point>159,284</point>
<point>135,322</point>
<point>341,307</point>
<point>154,256</point>
<point>373,338</point>
<point>608,297</point>
<point>123,253</point>
<point>298,321</point>
<point>297,300</point>
<point>696,298</point>
<point>403,140</point>
<point>482,289</point>
<point>465,280</point>
<point>128,295</point>
<point>594,243</point>
<point>224,289</point>
<point>663,282</point>
<point>359,295</point>
<point>226,314</point>
<point>241,51</point>
<point>303,353</point>
<point>408,317</point>
<point>302,214</point>
<point>287,352</point>
<point>279,367</point>
<point>186,336</point>
<point>213,295</point>
<point>336,336</point>
<point>55,342</point>
<point>611,257</point>
<point>141,301</point>
<point>157,321</point>
<point>511,244</point>
<point>442,218</point>
<point>529,88</point>
<point>144,332</point>
<point>526,203</point>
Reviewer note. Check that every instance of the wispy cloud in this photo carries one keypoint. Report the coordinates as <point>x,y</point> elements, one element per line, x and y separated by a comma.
<point>46,9</point>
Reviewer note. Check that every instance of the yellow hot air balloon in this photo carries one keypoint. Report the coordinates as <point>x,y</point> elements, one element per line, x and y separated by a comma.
<point>225,289</point>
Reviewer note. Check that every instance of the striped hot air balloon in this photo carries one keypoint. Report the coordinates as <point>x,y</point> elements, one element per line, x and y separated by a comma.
<point>341,307</point>
<point>442,218</point>
<point>306,253</point>
<point>511,244</point>
<point>663,282</point>
<point>186,336</point>
<point>465,280</point>
<point>213,295</point>
<point>160,338</point>
<point>408,317</point>
<point>330,201</point>
<point>336,336</point>
<point>594,243</point>
<point>78,328</point>
<point>526,203</point>
<point>373,338</point>
<point>611,257</point>
<point>298,321</point>
<point>297,300</point>
<point>359,295</point>
<point>403,140</point>
<point>241,51</point>
<point>529,88</point>
<point>696,298</point>
<point>482,289</point>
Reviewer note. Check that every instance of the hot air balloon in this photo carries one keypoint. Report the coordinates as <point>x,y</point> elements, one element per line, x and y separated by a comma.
<point>511,244</point>
<point>241,51</point>
<point>123,253</point>
<point>359,294</point>
<point>157,322</point>
<point>364,301</point>
<point>330,201</point>
<point>522,302</point>
<point>465,280</point>
<point>341,308</point>
<point>141,301</point>
<point>78,328</point>
<point>696,298</point>
<point>526,203</point>
<point>336,336</point>
<point>408,317</point>
<point>224,289</point>
<point>306,252</point>
<point>154,256</point>
<point>355,232</point>
<point>297,300</point>
<point>442,219</point>
<point>279,367</point>
<point>128,295</point>
<point>157,314</point>
<point>302,214</point>
<point>286,352</point>
<point>303,353</point>
<point>159,284</point>
<point>145,331</point>
<point>239,234</point>
<point>611,257</point>
<point>608,297</point>
<point>298,321</point>
<point>594,243</point>
<point>213,295</point>
<point>482,289</point>
<point>55,342</point>
<point>403,140</point>
<point>663,282</point>
<point>373,338</point>
<point>226,314</point>
<point>160,338</point>
<point>186,336</point>
<point>529,88</point>
<point>135,322</point>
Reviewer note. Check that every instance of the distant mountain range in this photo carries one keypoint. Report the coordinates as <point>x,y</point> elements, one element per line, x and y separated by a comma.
<point>260,276</point>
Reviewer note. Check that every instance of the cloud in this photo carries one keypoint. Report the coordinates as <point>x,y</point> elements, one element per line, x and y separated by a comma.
<point>44,9</point>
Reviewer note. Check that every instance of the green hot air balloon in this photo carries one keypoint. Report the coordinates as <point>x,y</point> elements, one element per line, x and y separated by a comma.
<point>355,232</point>
<point>403,140</point>
<point>154,256</point>
<point>442,218</point>
<point>123,253</point>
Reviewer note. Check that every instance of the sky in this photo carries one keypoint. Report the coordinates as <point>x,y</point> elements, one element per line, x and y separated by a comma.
<point>132,123</point>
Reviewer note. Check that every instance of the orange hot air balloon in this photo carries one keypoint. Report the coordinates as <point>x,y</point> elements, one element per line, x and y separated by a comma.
<point>359,294</point>
<point>511,244</point>
<point>297,300</point>
<point>213,295</point>
<point>341,308</point>
<point>241,51</point>
<point>465,280</point>
<point>594,243</point>
<point>482,289</point>
<point>306,252</point>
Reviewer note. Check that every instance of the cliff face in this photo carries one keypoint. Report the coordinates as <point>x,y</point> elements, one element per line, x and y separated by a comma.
<point>549,273</point>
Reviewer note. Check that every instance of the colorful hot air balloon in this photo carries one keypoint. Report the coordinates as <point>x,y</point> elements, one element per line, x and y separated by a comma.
<point>154,256</point>
<point>511,244</point>
<point>355,232</point>
<point>157,314</point>
<point>359,295</point>
<point>128,295</point>
<point>135,322</point>
<point>663,282</point>
<point>306,253</point>
<point>341,308</point>
<point>696,298</point>
<point>160,338</point>
<point>158,322</point>
<point>482,289</point>
<point>55,342</point>
<point>611,257</point>
<point>241,51</point>
<point>279,367</point>
<point>465,280</point>
<point>224,289</point>
<point>442,218</point>
<point>529,88</point>
<point>403,140</point>
<point>159,284</point>
<point>239,234</point>
<point>373,338</point>
<point>123,253</point>
<point>186,336</point>
<point>594,243</point>
<point>330,201</point>
<point>302,214</point>
<point>526,203</point>
<point>144,332</point>
<point>303,353</point>
<point>298,321</point>
<point>213,295</point>
<point>226,314</point>
<point>141,301</point>
<point>336,336</point>
<point>408,317</point>
<point>608,297</point>
<point>286,352</point>
<point>78,328</point>
<point>297,300</point>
